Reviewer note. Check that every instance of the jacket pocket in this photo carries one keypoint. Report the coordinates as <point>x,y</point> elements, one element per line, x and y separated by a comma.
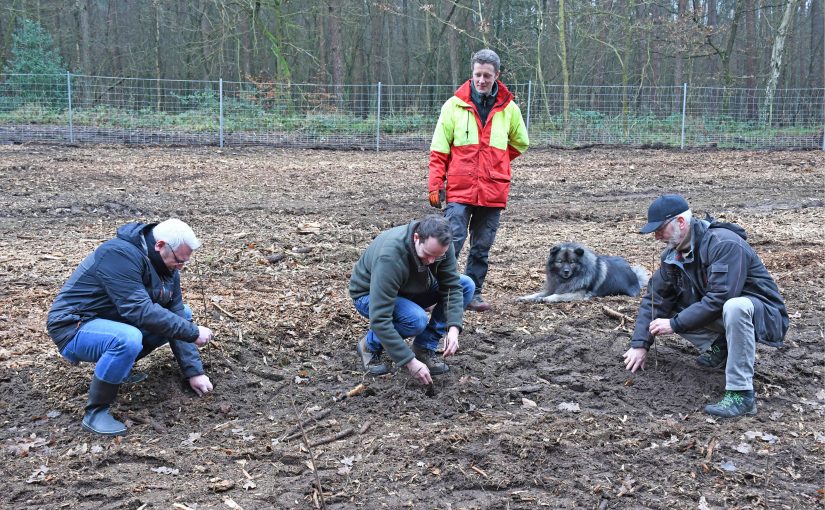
<point>718,277</point>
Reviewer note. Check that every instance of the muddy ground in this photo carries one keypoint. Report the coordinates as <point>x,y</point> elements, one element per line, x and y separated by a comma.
<point>537,412</point>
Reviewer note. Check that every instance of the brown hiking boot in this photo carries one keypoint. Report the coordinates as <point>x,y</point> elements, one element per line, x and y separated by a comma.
<point>433,361</point>
<point>479,305</point>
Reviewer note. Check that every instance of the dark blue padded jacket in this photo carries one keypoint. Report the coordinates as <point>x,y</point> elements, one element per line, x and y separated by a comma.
<point>118,282</point>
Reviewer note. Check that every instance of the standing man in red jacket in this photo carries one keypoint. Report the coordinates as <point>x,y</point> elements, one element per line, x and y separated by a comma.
<point>480,130</point>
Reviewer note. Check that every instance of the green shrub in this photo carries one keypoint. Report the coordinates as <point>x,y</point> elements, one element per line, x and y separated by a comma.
<point>33,53</point>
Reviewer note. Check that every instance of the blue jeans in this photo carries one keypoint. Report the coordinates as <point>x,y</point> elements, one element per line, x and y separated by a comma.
<point>483,224</point>
<point>410,319</point>
<point>113,346</point>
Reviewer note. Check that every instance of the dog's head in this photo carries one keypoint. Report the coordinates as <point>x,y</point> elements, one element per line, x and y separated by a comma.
<point>565,260</point>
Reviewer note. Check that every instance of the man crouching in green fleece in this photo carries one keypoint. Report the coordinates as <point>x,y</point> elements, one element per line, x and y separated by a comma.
<point>406,270</point>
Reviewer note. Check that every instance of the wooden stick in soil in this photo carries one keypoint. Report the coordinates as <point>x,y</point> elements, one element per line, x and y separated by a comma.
<point>616,315</point>
<point>306,422</point>
<point>311,457</point>
<point>207,359</point>
<point>653,315</point>
<point>329,439</point>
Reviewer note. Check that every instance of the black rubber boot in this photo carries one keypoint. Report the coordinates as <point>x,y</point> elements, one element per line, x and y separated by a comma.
<point>97,418</point>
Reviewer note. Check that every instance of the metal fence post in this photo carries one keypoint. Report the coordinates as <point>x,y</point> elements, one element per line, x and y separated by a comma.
<point>220,111</point>
<point>684,111</point>
<point>69,95</point>
<point>378,121</point>
<point>529,101</point>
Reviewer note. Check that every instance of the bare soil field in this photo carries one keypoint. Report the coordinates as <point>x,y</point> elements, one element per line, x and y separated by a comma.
<point>537,411</point>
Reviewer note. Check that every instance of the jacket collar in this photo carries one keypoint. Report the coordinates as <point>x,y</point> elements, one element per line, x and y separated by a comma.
<point>687,253</point>
<point>154,255</point>
<point>477,98</point>
<point>503,97</point>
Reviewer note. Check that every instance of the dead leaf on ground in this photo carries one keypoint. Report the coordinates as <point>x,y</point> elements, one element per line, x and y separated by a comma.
<point>572,407</point>
<point>220,485</point>
<point>231,504</point>
<point>165,470</point>
<point>309,228</point>
<point>39,475</point>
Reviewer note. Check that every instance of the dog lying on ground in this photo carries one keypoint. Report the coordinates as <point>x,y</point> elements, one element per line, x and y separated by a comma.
<point>575,272</point>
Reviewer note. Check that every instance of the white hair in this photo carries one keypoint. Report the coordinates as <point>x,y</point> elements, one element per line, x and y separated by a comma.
<point>174,232</point>
<point>687,216</point>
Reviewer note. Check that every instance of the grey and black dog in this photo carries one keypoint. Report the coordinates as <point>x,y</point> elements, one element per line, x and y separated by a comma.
<point>575,272</point>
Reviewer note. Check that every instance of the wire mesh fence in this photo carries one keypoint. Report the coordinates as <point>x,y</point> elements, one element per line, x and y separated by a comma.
<point>93,109</point>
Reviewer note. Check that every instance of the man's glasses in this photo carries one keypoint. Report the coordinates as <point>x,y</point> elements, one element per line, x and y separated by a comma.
<point>177,260</point>
<point>664,225</point>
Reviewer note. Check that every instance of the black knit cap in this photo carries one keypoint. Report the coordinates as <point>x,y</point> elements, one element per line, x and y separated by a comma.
<point>664,208</point>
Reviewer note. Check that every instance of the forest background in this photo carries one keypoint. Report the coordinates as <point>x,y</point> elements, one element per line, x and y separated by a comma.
<point>725,43</point>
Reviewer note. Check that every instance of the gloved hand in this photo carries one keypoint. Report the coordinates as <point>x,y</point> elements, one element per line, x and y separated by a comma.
<point>437,197</point>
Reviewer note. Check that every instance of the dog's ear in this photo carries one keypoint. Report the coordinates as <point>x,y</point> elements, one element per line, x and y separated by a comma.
<point>554,251</point>
<point>579,252</point>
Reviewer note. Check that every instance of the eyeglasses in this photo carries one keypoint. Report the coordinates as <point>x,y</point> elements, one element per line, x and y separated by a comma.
<point>664,225</point>
<point>175,256</point>
<point>436,258</point>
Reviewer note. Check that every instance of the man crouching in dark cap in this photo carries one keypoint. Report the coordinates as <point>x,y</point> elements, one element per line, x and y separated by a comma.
<point>714,291</point>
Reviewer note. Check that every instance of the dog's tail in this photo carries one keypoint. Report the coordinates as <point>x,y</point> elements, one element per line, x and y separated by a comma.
<point>642,275</point>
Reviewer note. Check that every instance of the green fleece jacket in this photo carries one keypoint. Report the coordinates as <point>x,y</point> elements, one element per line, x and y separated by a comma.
<point>389,269</point>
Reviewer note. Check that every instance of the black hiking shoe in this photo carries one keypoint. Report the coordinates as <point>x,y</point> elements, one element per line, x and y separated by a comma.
<point>716,356</point>
<point>370,361</point>
<point>433,361</point>
<point>733,404</point>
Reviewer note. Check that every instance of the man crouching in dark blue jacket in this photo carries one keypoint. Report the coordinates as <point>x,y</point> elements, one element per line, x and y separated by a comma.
<point>121,303</point>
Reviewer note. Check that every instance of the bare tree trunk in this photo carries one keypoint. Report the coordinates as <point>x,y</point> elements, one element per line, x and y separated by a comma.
<point>376,22</point>
<point>456,75</point>
<point>336,49</point>
<point>84,35</point>
<point>628,49</point>
<point>679,67</point>
<point>565,71</point>
<point>776,58</point>
<point>245,27</point>
<point>405,41</point>
<point>712,13</point>
<point>205,27</point>
<point>816,62</point>
<point>727,78</point>
<point>113,39</point>
<point>158,90</point>
<point>322,48</point>
<point>749,64</point>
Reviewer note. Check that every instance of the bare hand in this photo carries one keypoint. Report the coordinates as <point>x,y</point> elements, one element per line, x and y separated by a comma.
<point>451,342</point>
<point>419,371</point>
<point>635,358</point>
<point>205,336</point>
<point>660,327</point>
<point>201,384</point>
